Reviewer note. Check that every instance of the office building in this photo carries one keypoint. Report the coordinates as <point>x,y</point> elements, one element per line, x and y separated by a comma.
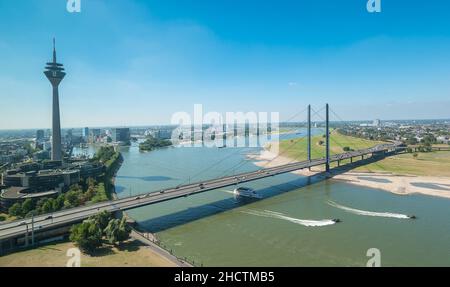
<point>120,135</point>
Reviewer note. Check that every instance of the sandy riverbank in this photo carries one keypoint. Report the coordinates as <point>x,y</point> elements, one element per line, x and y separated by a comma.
<point>398,184</point>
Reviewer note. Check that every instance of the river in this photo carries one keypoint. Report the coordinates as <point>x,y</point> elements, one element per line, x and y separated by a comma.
<point>291,226</point>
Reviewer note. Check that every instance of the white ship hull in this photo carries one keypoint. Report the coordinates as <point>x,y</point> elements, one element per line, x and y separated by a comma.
<point>246,192</point>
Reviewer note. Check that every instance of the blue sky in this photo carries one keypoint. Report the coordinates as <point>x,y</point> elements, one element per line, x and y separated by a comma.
<point>137,62</point>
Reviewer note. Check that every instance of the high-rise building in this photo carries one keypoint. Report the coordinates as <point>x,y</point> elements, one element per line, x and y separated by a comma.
<point>94,135</point>
<point>55,74</point>
<point>69,135</point>
<point>120,135</point>
<point>85,133</point>
<point>40,135</point>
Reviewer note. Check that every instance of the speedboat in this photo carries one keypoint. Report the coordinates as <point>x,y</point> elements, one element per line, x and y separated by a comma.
<point>246,192</point>
<point>337,220</point>
<point>412,217</point>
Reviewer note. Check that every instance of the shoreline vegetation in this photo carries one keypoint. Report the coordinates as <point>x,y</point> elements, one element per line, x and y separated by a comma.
<point>407,173</point>
<point>151,143</point>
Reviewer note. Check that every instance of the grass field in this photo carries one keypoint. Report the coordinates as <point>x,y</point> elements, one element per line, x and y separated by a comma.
<point>427,164</point>
<point>297,148</point>
<point>133,254</point>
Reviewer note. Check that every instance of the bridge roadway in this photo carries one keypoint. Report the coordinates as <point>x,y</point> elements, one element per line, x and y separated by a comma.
<point>67,217</point>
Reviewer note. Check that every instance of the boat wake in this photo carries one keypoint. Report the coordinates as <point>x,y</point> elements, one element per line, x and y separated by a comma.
<point>278,215</point>
<point>369,213</point>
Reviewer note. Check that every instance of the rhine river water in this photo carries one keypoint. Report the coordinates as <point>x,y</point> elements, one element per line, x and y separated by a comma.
<point>291,226</point>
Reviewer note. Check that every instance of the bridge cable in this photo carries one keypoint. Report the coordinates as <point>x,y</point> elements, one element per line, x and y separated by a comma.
<point>226,157</point>
<point>246,161</point>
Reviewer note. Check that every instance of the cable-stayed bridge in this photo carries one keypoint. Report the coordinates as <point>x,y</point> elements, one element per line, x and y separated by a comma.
<point>17,232</point>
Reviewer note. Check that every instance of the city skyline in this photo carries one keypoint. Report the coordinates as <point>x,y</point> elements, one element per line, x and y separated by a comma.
<point>141,67</point>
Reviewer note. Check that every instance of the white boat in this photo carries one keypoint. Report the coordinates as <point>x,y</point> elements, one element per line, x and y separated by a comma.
<point>246,192</point>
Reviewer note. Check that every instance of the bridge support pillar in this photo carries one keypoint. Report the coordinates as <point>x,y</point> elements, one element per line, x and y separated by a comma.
<point>224,135</point>
<point>351,159</point>
<point>362,157</point>
<point>339,163</point>
<point>327,130</point>
<point>203,137</point>
<point>309,134</point>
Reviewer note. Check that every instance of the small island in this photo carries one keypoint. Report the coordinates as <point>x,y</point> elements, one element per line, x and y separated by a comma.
<point>152,143</point>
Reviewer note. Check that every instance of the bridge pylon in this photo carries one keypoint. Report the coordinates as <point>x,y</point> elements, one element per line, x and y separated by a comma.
<point>309,133</point>
<point>327,130</point>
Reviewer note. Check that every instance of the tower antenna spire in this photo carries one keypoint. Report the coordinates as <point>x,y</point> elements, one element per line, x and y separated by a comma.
<point>54,50</point>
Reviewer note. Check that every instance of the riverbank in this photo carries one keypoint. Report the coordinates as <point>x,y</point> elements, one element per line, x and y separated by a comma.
<point>401,184</point>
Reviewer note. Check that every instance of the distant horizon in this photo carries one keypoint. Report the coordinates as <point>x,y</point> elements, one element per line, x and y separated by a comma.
<point>167,125</point>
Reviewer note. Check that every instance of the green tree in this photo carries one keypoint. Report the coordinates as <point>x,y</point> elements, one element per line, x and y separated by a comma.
<point>27,206</point>
<point>39,204</point>
<point>15,209</point>
<point>73,198</point>
<point>117,231</point>
<point>48,206</point>
<point>152,143</point>
<point>87,235</point>
<point>102,219</point>
<point>59,202</point>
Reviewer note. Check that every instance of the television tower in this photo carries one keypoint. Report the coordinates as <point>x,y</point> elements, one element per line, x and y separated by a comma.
<point>55,73</point>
